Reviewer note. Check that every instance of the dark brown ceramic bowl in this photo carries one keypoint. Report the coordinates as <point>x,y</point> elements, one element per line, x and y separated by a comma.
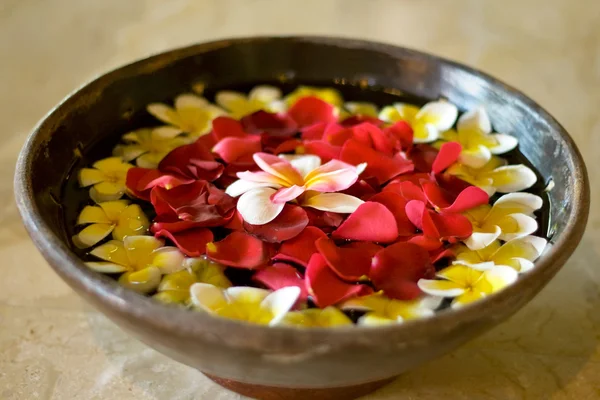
<point>257,360</point>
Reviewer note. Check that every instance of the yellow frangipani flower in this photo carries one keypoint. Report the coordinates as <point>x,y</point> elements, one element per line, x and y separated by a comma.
<point>262,97</point>
<point>466,284</point>
<point>427,123</point>
<point>328,95</point>
<point>496,176</point>
<point>474,133</point>
<point>243,303</point>
<point>361,108</point>
<point>192,114</point>
<point>119,217</point>
<point>519,254</point>
<point>107,178</point>
<point>143,259</point>
<point>148,146</point>
<point>381,310</point>
<point>317,318</point>
<point>510,217</point>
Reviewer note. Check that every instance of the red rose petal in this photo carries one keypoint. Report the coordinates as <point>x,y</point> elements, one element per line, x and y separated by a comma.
<point>359,119</point>
<point>280,275</point>
<point>288,224</point>
<point>407,189</point>
<point>172,225</point>
<point>311,110</point>
<point>397,269</point>
<point>289,146</point>
<point>191,242</point>
<point>380,166</point>
<point>361,189</point>
<point>325,286</point>
<point>451,184</point>
<point>140,181</point>
<point>371,222</point>
<point>192,161</point>
<point>402,132</point>
<point>423,156</point>
<point>269,123</point>
<point>446,226</point>
<point>349,263</point>
<point>414,212</point>
<point>239,250</point>
<point>236,223</point>
<point>426,242</point>
<point>441,254</point>
<point>231,149</point>
<point>224,127</point>
<point>299,249</point>
<point>373,136</point>
<point>469,198</point>
<point>397,205</point>
<point>325,151</point>
<point>324,220</point>
<point>447,156</point>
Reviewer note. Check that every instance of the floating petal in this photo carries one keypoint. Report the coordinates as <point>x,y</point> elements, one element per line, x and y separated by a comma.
<point>239,250</point>
<point>371,222</point>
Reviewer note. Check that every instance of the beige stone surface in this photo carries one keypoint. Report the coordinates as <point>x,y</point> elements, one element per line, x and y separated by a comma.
<point>53,346</point>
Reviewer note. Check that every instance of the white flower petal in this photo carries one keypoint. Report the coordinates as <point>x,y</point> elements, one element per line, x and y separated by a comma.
<point>430,302</point>
<point>524,264</point>
<point>265,93</point>
<point>538,243</point>
<point>372,319</point>
<point>440,288</point>
<point>128,152</point>
<point>475,157</point>
<point>505,144</point>
<point>501,276</point>
<point>246,294</point>
<point>441,114</point>
<point>229,99</point>
<point>517,225</point>
<point>513,178</point>
<point>207,297</point>
<point>168,259</point>
<point>428,133</point>
<point>165,132</point>
<point>523,203</point>
<point>163,112</point>
<point>106,267</point>
<point>305,164</point>
<point>241,186</point>
<point>334,202</point>
<point>256,207</point>
<point>475,120</point>
<point>280,302</point>
<point>479,240</point>
<point>481,266</point>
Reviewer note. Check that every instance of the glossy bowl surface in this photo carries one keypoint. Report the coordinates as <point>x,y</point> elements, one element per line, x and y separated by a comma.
<point>291,357</point>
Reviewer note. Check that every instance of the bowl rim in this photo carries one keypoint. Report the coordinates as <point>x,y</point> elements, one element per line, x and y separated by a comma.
<point>187,323</point>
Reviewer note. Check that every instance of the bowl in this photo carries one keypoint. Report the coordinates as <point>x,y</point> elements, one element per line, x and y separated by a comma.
<point>287,362</point>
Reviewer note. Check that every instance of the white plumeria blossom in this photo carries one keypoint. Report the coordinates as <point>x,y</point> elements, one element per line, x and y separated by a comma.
<point>262,97</point>
<point>381,310</point>
<point>245,303</point>
<point>148,146</point>
<point>428,123</point>
<point>518,254</point>
<point>303,179</point>
<point>474,133</point>
<point>466,284</point>
<point>510,217</point>
<point>496,176</point>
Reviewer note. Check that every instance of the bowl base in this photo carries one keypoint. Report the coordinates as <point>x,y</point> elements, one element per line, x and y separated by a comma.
<point>261,392</point>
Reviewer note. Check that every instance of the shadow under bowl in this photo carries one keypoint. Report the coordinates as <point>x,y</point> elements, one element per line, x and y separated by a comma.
<point>285,362</point>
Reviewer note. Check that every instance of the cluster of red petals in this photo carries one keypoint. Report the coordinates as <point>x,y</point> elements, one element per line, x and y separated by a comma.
<point>412,210</point>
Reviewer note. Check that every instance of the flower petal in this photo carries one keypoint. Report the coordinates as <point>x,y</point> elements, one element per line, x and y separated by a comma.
<point>505,143</point>
<point>500,277</point>
<point>397,205</point>
<point>304,164</point>
<point>513,178</point>
<point>168,259</point>
<point>516,203</point>
<point>90,176</point>
<point>163,113</point>
<point>231,149</point>
<point>191,242</point>
<point>440,288</point>
<point>106,267</point>
<point>256,206</point>
<point>284,195</point>
<point>516,225</point>
<point>338,258</point>
<point>300,248</point>
<point>132,221</point>
<point>280,275</point>
<point>402,132</point>
<point>476,120</point>
<point>441,114</point>
<point>242,186</point>
<point>333,202</point>
<point>324,150</point>
<point>448,154</point>
<point>415,210</point>
<point>469,198</point>
<point>280,302</point>
<point>371,222</point>
<point>325,287</point>
<point>288,224</point>
<point>239,250</point>
<point>333,176</point>
<point>92,234</point>
<point>142,281</point>
<point>271,124</point>
<point>446,226</point>
<point>93,215</point>
<point>480,240</point>
<point>380,166</point>
<point>311,110</point>
<point>112,251</point>
<point>207,297</point>
<point>265,93</point>
<point>279,168</point>
<point>397,269</point>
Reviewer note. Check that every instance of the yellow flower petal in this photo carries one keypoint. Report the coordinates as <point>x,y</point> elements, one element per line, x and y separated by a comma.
<point>516,203</point>
<point>131,222</point>
<point>207,297</point>
<point>480,240</point>
<point>279,302</point>
<point>106,267</point>
<point>113,209</point>
<point>164,113</point>
<point>172,296</point>
<point>513,178</point>
<point>441,114</point>
<point>528,248</point>
<point>93,215</point>
<point>90,176</point>
<point>329,95</point>
<point>246,295</point>
<point>167,259</point>
<point>500,277</point>
<point>467,297</point>
<point>91,235</point>
<point>475,120</point>
<point>475,157</point>
<point>189,100</point>
<point>112,166</point>
<point>110,188</point>
<point>362,108</point>
<point>314,317</point>
<point>178,281</point>
<point>143,281</point>
<point>208,271</point>
<point>372,319</point>
<point>399,112</point>
<point>440,288</point>
<point>462,275</point>
<point>112,251</point>
<point>516,225</point>
<point>101,197</point>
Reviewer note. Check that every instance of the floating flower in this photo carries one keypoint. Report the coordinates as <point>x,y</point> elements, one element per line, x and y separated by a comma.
<point>280,275</point>
<point>107,178</point>
<point>519,254</point>
<point>285,178</point>
<point>427,123</point>
<point>119,217</point>
<point>328,95</point>
<point>510,217</point>
<point>317,318</point>
<point>474,133</point>
<point>496,176</point>
<point>174,288</point>
<point>311,110</point>
<point>260,98</point>
<point>143,259</point>
<point>149,146</point>
<point>381,310</point>
<point>192,114</point>
<point>466,284</point>
<point>361,108</point>
<point>242,303</point>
